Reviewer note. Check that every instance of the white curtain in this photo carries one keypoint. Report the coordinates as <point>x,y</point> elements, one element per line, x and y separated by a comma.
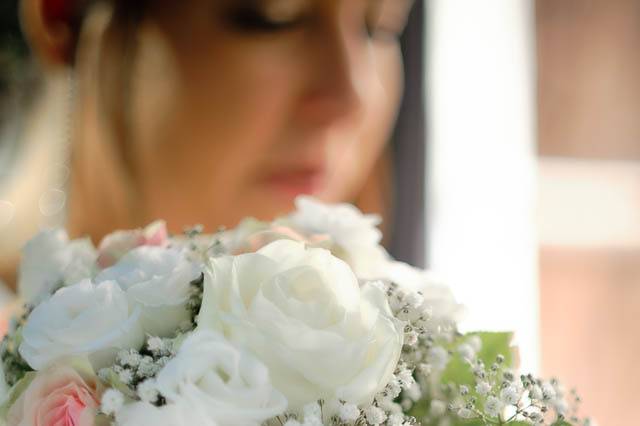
<point>482,162</point>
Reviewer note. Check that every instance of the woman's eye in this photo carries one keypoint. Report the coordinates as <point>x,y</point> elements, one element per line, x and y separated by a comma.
<point>268,15</point>
<point>255,20</point>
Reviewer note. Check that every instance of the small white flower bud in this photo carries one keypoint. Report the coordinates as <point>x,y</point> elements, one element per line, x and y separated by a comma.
<point>156,344</point>
<point>112,402</point>
<point>415,300</point>
<point>395,420</point>
<point>389,407</point>
<point>493,406</point>
<point>466,352</point>
<point>312,411</point>
<point>147,391</point>
<point>125,376</point>
<point>393,389</point>
<point>510,395</point>
<point>147,367</point>
<point>414,392</point>
<point>465,413</point>
<point>536,392</point>
<point>483,388</point>
<point>375,415</point>
<point>349,413</point>
<point>405,376</point>
<point>411,338</point>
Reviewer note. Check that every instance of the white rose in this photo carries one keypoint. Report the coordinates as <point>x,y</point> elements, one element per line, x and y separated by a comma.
<point>83,319</point>
<point>438,297</point>
<point>301,312</point>
<point>50,259</point>
<point>355,236</point>
<point>177,414</point>
<point>158,280</point>
<point>212,381</point>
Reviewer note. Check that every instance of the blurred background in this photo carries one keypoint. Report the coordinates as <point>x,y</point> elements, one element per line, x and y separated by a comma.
<point>532,192</point>
<point>534,173</point>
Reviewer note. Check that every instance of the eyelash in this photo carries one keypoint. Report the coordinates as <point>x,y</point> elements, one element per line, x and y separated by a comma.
<point>253,21</point>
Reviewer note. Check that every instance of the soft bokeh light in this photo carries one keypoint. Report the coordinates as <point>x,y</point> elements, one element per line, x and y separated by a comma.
<point>7,211</point>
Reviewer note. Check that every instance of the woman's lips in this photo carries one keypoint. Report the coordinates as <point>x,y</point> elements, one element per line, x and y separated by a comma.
<point>291,183</point>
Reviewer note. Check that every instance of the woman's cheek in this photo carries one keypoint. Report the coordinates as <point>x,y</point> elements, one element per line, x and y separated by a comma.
<point>355,159</point>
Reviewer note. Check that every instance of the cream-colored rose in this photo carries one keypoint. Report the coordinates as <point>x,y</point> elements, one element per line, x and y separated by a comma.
<point>158,280</point>
<point>84,319</point>
<point>210,382</point>
<point>353,236</point>
<point>302,313</point>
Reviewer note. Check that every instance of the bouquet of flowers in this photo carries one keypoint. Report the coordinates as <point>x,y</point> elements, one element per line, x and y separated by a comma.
<point>305,320</point>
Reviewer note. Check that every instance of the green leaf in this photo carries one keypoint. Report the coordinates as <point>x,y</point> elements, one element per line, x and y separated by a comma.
<point>15,392</point>
<point>103,420</point>
<point>420,409</point>
<point>493,344</point>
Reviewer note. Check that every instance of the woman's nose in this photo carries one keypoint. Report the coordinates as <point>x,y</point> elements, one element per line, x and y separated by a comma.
<point>339,72</point>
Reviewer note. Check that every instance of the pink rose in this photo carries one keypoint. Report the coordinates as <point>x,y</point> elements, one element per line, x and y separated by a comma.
<point>251,235</point>
<point>275,232</point>
<point>59,396</point>
<point>115,245</point>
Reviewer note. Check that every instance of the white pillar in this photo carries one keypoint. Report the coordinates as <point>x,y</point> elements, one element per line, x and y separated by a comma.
<point>482,162</point>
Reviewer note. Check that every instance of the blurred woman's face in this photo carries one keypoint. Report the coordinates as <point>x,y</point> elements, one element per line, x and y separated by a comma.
<point>240,105</point>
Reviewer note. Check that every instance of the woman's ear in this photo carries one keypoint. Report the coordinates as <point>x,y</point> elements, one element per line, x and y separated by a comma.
<point>49,28</point>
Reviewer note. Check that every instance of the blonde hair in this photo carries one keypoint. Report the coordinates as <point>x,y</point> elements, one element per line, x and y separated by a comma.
<point>62,133</point>
<point>100,152</point>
